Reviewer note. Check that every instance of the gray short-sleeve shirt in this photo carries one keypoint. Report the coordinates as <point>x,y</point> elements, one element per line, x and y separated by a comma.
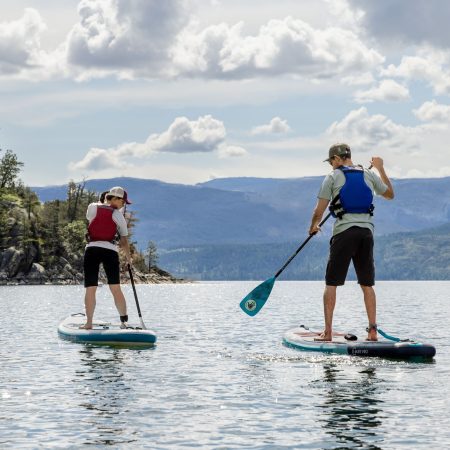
<point>331,187</point>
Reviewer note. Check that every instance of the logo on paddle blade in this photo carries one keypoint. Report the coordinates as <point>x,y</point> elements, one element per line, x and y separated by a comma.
<point>250,305</point>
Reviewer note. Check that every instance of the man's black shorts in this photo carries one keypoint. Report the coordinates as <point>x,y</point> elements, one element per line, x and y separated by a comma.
<point>354,244</point>
<point>93,256</point>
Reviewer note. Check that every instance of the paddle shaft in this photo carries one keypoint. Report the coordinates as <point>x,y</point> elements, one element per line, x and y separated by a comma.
<point>136,297</point>
<point>301,247</point>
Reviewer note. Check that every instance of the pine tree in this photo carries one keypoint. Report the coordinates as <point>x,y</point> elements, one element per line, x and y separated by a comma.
<point>10,168</point>
<point>152,255</point>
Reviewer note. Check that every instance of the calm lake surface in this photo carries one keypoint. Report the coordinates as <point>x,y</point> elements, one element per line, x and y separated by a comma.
<point>219,379</point>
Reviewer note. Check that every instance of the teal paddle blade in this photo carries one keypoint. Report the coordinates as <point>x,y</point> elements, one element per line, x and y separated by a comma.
<point>254,301</point>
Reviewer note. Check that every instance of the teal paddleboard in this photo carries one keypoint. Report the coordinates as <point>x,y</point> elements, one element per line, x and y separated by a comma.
<point>104,333</point>
<point>304,339</point>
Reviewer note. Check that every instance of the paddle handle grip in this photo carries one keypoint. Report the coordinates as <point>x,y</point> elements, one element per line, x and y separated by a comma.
<point>301,247</point>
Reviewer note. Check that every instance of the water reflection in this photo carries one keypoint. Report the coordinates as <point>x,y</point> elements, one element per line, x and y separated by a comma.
<point>105,394</point>
<point>350,411</point>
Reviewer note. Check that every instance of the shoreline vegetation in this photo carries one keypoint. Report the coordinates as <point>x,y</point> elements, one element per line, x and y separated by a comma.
<point>43,243</point>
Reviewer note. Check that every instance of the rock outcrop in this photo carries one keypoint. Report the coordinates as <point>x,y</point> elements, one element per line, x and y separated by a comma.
<point>24,261</point>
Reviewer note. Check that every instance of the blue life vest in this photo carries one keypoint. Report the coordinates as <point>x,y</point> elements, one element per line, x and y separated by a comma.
<point>355,196</point>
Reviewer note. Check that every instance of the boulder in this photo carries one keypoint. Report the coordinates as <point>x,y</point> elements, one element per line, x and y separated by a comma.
<point>11,261</point>
<point>37,274</point>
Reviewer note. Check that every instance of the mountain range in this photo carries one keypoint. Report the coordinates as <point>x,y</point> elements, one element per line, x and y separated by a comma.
<point>193,224</point>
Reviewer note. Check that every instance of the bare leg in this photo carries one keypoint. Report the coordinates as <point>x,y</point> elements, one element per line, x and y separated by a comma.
<point>89,304</point>
<point>119,299</point>
<point>370,301</point>
<point>329,302</point>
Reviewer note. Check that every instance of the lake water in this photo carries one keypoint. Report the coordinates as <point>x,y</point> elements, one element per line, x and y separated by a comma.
<point>219,379</point>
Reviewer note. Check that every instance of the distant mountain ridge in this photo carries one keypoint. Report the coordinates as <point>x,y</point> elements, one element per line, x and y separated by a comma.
<point>257,210</point>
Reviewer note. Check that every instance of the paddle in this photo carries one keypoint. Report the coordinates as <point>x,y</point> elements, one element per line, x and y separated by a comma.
<point>254,301</point>
<point>136,298</point>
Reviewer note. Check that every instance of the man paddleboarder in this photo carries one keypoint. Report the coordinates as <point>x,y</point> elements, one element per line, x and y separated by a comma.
<point>107,231</point>
<point>348,192</point>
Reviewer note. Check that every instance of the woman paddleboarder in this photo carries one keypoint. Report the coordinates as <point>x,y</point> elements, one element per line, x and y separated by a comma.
<point>107,231</point>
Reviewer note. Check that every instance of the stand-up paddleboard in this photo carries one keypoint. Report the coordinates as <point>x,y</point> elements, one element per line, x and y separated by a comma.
<point>347,344</point>
<point>104,333</point>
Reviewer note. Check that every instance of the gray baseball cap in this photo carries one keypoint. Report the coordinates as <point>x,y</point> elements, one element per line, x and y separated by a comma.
<point>338,150</point>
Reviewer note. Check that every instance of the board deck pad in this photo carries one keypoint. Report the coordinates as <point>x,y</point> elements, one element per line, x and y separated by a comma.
<point>305,339</point>
<point>104,332</point>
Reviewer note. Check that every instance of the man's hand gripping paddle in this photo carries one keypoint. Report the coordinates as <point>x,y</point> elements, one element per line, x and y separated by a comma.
<point>255,300</point>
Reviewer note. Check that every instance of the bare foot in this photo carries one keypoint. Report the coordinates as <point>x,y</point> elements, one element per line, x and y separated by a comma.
<point>372,336</point>
<point>86,327</point>
<point>323,337</point>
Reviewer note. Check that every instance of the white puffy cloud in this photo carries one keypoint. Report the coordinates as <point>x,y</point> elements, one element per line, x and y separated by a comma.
<point>184,136</point>
<point>289,46</point>
<point>386,91</point>
<point>151,39</point>
<point>359,128</point>
<point>127,37</point>
<point>20,46</point>
<point>433,112</point>
<point>429,66</point>
<point>204,135</point>
<point>99,159</point>
<point>276,125</point>
<point>407,150</point>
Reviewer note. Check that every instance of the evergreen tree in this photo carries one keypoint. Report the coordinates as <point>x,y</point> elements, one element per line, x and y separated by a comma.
<point>10,168</point>
<point>152,255</point>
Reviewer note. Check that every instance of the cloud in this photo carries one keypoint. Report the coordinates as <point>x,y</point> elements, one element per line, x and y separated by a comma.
<point>98,159</point>
<point>386,91</point>
<point>433,112</point>
<point>128,37</point>
<point>20,47</point>
<point>358,80</point>
<point>232,151</point>
<point>151,39</point>
<point>417,22</point>
<point>289,46</point>
<point>276,125</point>
<point>204,135</point>
<point>184,136</point>
<point>407,150</point>
<point>360,129</point>
<point>432,67</point>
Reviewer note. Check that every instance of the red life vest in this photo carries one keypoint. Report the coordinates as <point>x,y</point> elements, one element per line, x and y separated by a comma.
<point>103,227</point>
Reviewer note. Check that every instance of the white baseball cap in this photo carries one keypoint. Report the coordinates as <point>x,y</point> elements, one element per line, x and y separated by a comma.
<point>120,192</point>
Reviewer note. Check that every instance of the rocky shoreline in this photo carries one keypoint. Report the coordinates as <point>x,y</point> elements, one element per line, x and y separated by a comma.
<point>17,269</point>
<point>38,249</point>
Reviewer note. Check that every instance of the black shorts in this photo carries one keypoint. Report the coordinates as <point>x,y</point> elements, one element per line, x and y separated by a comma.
<point>354,244</point>
<point>93,256</point>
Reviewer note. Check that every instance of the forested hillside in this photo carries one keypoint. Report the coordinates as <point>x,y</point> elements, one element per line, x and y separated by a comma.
<point>423,255</point>
<point>44,242</point>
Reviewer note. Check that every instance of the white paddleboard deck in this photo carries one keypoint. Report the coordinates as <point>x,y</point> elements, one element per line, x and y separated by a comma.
<point>104,332</point>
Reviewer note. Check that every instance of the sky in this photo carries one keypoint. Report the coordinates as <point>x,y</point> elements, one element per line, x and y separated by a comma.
<point>185,91</point>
